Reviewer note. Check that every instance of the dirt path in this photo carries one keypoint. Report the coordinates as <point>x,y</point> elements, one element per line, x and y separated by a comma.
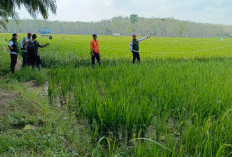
<point>41,90</point>
<point>19,64</point>
<point>6,100</point>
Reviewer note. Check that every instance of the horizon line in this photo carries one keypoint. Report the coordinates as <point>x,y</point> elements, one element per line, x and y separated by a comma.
<point>98,21</point>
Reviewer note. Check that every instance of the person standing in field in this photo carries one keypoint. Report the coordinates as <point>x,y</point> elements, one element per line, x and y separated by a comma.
<point>33,47</point>
<point>134,47</point>
<point>95,53</point>
<point>23,45</point>
<point>14,50</point>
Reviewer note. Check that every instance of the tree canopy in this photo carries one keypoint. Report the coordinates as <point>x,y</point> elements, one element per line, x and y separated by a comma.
<point>144,26</point>
<point>133,18</point>
<point>34,7</point>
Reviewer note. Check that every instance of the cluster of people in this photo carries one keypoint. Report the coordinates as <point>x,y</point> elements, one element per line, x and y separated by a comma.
<point>134,48</point>
<point>31,57</point>
<point>29,45</point>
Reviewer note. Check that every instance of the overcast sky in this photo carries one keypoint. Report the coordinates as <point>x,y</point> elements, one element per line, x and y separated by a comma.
<point>207,11</point>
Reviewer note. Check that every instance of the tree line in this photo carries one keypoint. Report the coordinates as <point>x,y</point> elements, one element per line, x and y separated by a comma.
<point>165,27</point>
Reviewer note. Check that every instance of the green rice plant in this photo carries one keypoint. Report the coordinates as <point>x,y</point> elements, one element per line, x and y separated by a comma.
<point>99,103</point>
<point>4,56</point>
<point>129,99</point>
<point>179,94</point>
<point>29,74</point>
<point>4,63</point>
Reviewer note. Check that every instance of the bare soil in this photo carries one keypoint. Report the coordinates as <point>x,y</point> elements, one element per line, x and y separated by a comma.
<point>19,64</point>
<point>6,100</point>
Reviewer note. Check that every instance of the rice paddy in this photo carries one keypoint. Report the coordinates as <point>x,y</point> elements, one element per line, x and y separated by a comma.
<point>176,102</point>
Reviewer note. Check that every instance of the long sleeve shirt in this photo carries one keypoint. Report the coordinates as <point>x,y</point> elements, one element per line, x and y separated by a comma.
<point>131,44</point>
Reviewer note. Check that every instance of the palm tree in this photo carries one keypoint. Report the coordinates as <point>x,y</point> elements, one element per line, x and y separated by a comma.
<point>3,18</point>
<point>7,8</point>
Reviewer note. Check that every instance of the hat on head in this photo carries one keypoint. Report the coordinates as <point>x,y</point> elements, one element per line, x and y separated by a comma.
<point>94,35</point>
<point>134,35</point>
<point>15,34</point>
<point>29,34</point>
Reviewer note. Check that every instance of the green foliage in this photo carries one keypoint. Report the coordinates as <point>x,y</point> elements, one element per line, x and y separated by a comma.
<point>3,19</point>
<point>74,50</point>
<point>178,96</point>
<point>52,135</point>
<point>145,26</point>
<point>127,98</point>
<point>4,63</point>
<point>111,105</point>
<point>4,57</point>
<point>36,141</point>
<point>133,18</point>
<point>33,6</point>
<point>8,7</point>
<point>176,102</point>
<point>28,74</point>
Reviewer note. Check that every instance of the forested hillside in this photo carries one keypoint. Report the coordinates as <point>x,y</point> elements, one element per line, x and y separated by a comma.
<point>125,26</point>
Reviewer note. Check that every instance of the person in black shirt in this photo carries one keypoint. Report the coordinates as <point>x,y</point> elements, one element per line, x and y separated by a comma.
<point>33,47</point>
<point>134,47</point>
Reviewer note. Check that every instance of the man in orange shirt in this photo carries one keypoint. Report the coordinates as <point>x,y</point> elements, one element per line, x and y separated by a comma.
<point>95,53</point>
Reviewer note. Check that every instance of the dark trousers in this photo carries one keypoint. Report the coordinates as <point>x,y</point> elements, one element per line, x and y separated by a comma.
<point>25,59</point>
<point>35,60</point>
<point>97,56</point>
<point>136,56</point>
<point>13,58</point>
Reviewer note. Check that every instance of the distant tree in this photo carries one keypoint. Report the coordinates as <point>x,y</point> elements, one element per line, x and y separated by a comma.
<point>181,30</point>
<point>133,21</point>
<point>7,8</point>
<point>123,26</point>
<point>133,18</point>
<point>108,31</point>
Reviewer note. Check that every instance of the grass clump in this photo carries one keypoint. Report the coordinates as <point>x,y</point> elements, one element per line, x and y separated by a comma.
<point>28,74</point>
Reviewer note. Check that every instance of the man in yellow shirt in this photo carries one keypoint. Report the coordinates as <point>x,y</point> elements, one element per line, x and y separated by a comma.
<point>95,53</point>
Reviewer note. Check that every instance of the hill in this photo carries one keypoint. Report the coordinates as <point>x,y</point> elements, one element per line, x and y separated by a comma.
<point>166,27</point>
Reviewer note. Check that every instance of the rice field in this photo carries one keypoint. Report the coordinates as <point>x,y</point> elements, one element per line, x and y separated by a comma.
<point>74,49</point>
<point>176,102</point>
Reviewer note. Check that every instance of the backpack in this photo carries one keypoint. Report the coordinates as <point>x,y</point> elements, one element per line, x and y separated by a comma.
<point>32,47</point>
<point>25,43</point>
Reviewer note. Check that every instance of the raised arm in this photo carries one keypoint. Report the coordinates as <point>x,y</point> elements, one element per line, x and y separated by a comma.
<point>42,46</point>
<point>142,39</point>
